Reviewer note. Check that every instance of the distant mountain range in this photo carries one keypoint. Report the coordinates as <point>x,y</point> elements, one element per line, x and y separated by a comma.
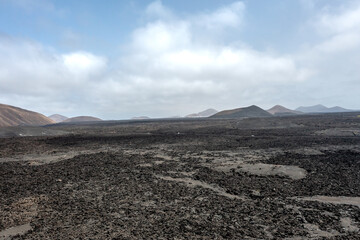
<point>279,110</point>
<point>206,113</point>
<point>251,111</point>
<point>14,116</point>
<point>83,119</point>
<point>322,109</point>
<point>58,118</point>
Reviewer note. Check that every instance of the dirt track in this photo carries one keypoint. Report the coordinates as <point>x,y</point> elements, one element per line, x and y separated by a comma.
<point>275,178</point>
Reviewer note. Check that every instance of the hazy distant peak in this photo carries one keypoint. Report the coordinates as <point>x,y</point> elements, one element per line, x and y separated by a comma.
<point>83,119</point>
<point>319,108</point>
<point>58,118</point>
<point>206,113</point>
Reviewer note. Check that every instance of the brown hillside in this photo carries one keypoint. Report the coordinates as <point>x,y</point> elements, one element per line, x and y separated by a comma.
<point>280,110</point>
<point>14,116</point>
<point>245,112</point>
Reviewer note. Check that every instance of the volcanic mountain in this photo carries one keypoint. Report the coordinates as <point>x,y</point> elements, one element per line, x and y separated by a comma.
<point>279,110</point>
<point>245,112</point>
<point>322,109</point>
<point>58,118</point>
<point>14,116</point>
<point>83,119</point>
<point>206,113</point>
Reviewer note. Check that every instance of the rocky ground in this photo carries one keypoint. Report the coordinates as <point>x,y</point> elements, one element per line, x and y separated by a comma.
<point>271,178</point>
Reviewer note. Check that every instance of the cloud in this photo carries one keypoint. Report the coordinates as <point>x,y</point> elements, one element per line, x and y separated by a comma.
<point>30,69</point>
<point>169,62</point>
<point>82,64</point>
<point>340,43</point>
<point>335,55</point>
<point>348,19</point>
<point>338,32</point>
<point>170,68</point>
<point>160,36</point>
<point>157,10</point>
<point>341,29</point>
<point>227,16</point>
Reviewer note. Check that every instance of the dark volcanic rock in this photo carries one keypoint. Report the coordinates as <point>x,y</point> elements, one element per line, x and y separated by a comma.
<point>181,179</point>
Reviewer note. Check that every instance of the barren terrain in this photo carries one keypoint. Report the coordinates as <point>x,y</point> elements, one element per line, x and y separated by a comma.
<point>295,177</point>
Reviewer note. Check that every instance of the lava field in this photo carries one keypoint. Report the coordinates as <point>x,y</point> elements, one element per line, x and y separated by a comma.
<point>294,177</point>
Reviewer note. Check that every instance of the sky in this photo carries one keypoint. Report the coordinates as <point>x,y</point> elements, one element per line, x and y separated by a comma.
<point>121,59</point>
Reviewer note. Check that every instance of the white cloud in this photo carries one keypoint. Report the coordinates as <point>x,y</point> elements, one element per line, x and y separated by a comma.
<point>160,36</point>
<point>32,70</point>
<point>157,10</point>
<point>83,64</point>
<point>228,16</point>
<point>344,21</point>
<point>335,56</point>
<point>341,30</point>
<point>338,31</point>
<point>170,68</point>
<point>174,62</point>
<point>169,62</point>
<point>340,43</point>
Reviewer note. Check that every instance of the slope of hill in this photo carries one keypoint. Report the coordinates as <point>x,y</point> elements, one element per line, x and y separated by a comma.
<point>58,118</point>
<point>321,109</point>
<point>339,109</point>
<point>279,110</point>
<point>14,116</point>
<point>83,119</point>
<point>206,113</point>
<point>252,111</point>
